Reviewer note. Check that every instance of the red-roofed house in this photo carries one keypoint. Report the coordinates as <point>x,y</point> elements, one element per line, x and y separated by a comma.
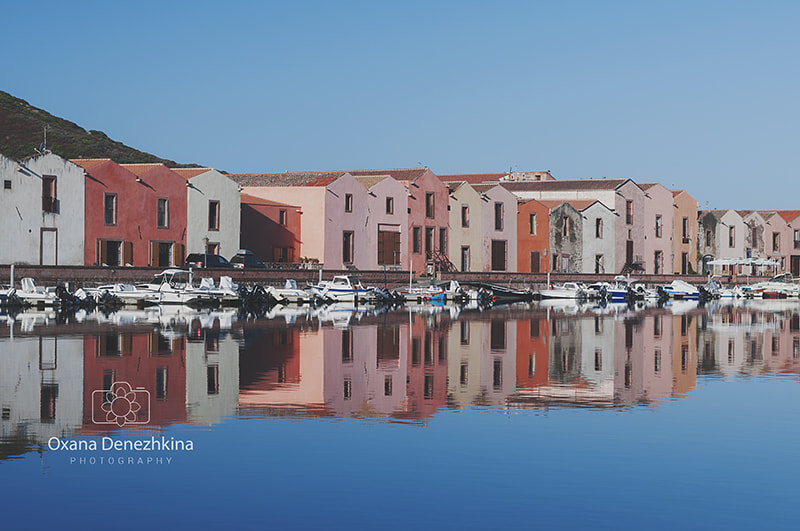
<point>792,220</point>
<point>533,236</point>
<point>685,236</point>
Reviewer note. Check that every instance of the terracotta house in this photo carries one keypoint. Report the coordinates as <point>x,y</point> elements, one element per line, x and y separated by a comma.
<point>271,230</point>
<point>533,236</point>
<point>135,214</point>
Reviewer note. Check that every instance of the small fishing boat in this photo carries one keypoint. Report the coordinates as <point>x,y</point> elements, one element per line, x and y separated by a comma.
<point>680,290</point>
<point>34,295</point>
<point>128,294</point>
<point>290,293</point>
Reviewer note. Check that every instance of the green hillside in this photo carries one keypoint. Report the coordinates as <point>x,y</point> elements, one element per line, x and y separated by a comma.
<point>21,133</point>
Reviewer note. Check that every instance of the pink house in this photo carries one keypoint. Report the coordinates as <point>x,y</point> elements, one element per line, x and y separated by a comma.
<point>336,207</point>
<point>658,223</point>
<point>387,201</point>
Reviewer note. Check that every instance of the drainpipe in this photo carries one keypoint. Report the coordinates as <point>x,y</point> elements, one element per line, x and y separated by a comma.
<point>12,275</point>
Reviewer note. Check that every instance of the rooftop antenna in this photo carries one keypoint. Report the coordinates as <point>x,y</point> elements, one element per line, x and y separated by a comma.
<point>43,146</point>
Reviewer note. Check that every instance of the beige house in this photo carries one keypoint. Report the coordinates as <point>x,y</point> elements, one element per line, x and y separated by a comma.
<point>685,246</point>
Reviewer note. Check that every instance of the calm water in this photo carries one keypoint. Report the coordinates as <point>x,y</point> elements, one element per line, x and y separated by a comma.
<point>532,416</point>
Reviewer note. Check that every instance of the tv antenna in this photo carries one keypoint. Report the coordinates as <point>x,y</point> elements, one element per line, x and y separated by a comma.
<point>42,150</point>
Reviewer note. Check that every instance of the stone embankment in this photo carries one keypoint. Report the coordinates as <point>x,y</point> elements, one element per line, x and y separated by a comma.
<point>83,276</point>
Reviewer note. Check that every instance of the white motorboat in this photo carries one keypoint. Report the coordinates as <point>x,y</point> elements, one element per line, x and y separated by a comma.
<point>227,292</point>
<point>343,288</point>
<point>128,294</point>
<point>567,290</point>
<point>680,290</point>
<point>174,286</point>
<point>291,294</point>
<point>34,295</point>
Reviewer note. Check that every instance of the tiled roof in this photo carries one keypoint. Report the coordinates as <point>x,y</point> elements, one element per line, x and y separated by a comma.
<point>141,169</point>
<point>789,215</point>
<point>398,174</point>
<point>285,179</point>
<point>558,186</point>
<point>88,164</point>
<point>248,199</point>
<point>371,180</point>
<point>188,173</point>
<point>579,205</point>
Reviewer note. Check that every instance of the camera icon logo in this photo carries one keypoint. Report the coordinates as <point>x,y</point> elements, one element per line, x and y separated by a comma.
<point>121,405</point>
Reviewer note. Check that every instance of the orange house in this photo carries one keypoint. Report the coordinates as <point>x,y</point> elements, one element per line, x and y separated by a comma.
<point>533,236</point>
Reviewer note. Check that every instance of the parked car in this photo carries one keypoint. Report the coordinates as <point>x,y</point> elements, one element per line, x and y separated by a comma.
<point>245,259</point>
<point>207,260</point>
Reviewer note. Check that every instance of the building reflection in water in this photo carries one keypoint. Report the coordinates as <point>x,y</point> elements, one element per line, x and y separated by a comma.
<point>398,365</point>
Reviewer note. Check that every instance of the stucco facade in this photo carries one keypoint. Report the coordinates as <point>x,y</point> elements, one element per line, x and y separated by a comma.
<point>599,246</point>
<point>623,196</point>
<point>466,237</point>
<point>533,236</point>
<point>722,235</point>
<point>135,214</point>
<point>387,222</point>
<point>41,211</point>
<point>335,206</point>
<point>499,228</point>
<point>271,230</point>
<point>213,212</point>
<point>658,221</point>
<point>685,239</point>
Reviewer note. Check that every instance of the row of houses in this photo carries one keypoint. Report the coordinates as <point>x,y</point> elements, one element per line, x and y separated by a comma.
<point>99,212</point>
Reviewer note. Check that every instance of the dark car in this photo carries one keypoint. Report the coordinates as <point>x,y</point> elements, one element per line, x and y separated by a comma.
<point>207,260</point>
<point>245,259</point>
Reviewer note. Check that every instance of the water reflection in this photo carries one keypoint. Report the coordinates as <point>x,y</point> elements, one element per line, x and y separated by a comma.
<point>198,367</point>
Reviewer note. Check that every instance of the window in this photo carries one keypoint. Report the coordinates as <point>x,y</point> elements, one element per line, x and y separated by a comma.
<point>416,240</point>
<point>498,216</point>
<point>49,203</point>
<point>213,215</point>
<point>629,212</point>
<point>659,263</point>
<point>532,224</point>
<point>708,237</point>
<point>565,230</point>
<point>282,217</point>
<point>685,230</point>
<point>658,226</point>
<point>7,184</point>
<point>212,380</point>
<point>161,383</point>
<point>598,227</point>
<point>348,202</point>
<point>754,236</point>
<point>430,209</point>
<point>776,242</point>
<point>464,216</point>
<point>599,267</point>
<point>428,239</point>
<point>797,239</point>
<point>162,213</point>
<point>387,386</point>
<point>347,247</point>
<point>731,236</point>
<point>110,209</point>
<point>390,205</point>
<point>443,240</point>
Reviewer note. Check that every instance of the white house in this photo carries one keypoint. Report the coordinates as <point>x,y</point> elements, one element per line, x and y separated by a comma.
<point>41,211</point>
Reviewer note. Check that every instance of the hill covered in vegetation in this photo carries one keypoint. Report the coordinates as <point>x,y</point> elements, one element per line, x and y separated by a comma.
<point>21,133</point>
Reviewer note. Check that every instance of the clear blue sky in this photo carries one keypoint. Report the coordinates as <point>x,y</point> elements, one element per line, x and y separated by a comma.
<point>695,95</point>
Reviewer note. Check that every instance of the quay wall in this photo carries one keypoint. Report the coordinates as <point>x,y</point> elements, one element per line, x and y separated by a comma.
<point>90,276</point>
